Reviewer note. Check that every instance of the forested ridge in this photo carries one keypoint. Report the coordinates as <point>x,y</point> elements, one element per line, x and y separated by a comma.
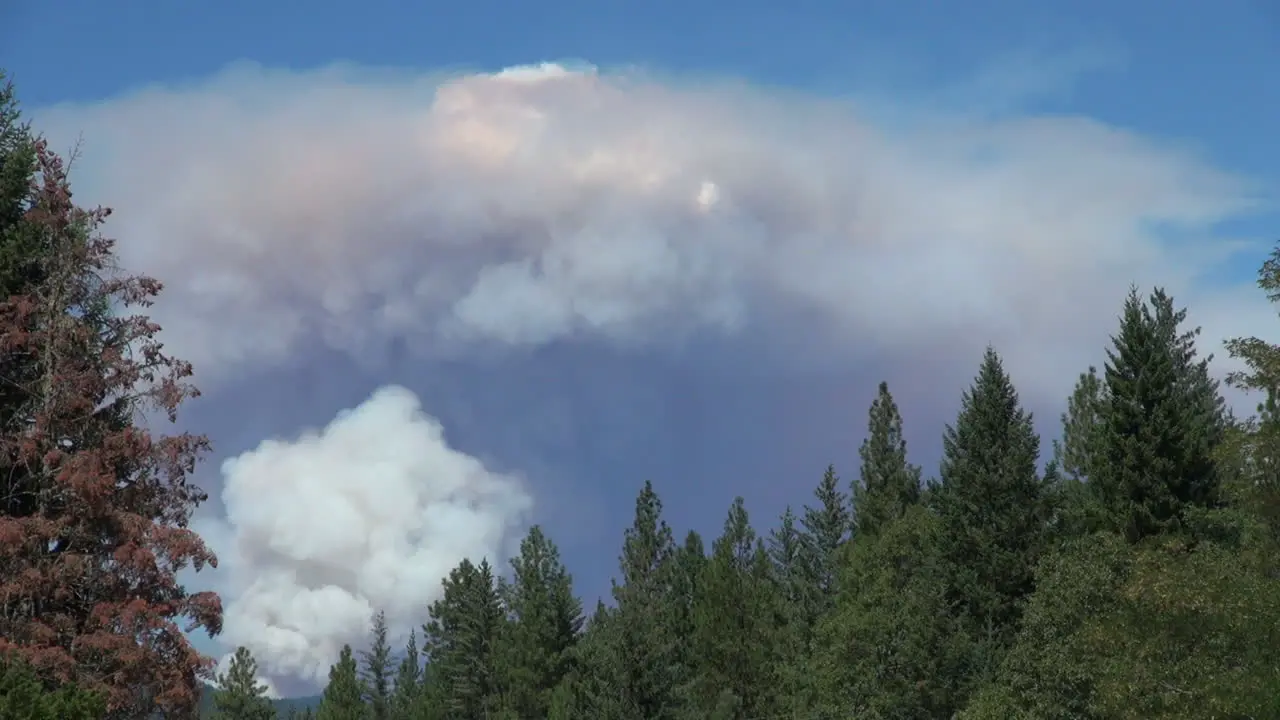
<point>1126,568</point>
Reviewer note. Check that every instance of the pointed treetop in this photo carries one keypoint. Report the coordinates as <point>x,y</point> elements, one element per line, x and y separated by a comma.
<point>887,483</point>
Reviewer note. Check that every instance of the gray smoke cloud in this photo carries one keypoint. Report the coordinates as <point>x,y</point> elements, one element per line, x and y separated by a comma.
<point>474,212</point>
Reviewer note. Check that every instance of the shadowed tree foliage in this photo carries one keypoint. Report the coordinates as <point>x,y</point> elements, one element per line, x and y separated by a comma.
<point>94,507</point>
<point>23,696</point>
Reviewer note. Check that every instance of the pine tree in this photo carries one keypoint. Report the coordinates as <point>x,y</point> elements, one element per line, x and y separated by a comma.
<point>887,484</point>
<point>787,552</point>
<point>735,622</point>
<point>991,504</point>
<point>603,665</point>
<point>1075,457</point>
<point>826,528</point>
<point>545,619</point>
<point>800,604</point>
<point>376,670</point>
<point>1162,422</point>
<point>891,648</point>
<point>1076,454</point>
<point>343,697</point>
<point>408,688</point>
<point>688,565</point>
<point>240,696</point>
<point>24,697</point>
<point>643,624</point>
<point>460,640</point>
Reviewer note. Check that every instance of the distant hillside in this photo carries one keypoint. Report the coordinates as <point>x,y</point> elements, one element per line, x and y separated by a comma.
<point>282,706</point>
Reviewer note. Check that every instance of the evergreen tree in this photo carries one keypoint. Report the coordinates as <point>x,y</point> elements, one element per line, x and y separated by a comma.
<point>799,605</point>
<point>991,504</point>
<point>891,648</point>
<point>689,564</point>
<point>376,670</point>
<point>545,619</point>
<point>826,528</point>
<point>24,697</point>
<point>460,641</point>
<point>1162,422</point>
<point>603,663</point>
<point>240,696</point>
<point>887,484</point>
<point>408,687</point>
<point>1253,450</point>
<point>643,625</point>
<point>1076,453</point>
<point>1075,457</point>
<point>736,623</point>
<point>343,697</point>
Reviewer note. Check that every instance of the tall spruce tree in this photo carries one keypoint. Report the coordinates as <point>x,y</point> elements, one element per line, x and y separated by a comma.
<point>1162,422</point>
<point>343,697</point>
<point>460,641</point>
<point>545,619</point>
<point>1077,452</point>
<point>644,622</point>
<point>375,671</point>
<point>991,505</point>
<point>799,605</point>
<point>240,696</point>
<point>1075,458</point>
<point>887,484</point>
<point>688,566</point>
<point>825,528</point>
<point>408,687</point>
<point>603,663</point>
<point>735,627</point>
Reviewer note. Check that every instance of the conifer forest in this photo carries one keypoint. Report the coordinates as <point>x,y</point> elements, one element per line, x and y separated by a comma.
<point>1126,567</point>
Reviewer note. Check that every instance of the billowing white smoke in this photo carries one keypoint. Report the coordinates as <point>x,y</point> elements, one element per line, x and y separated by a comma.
<point>368,514</point>
<point>542,203</point>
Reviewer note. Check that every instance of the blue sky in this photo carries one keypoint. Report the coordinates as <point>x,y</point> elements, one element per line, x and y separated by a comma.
<point>1181,106</point>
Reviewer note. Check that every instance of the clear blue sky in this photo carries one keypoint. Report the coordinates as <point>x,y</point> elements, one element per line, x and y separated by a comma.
<point>1196,71</point>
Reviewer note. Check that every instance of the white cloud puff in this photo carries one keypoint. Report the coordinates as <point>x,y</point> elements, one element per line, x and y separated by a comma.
<point>369,514</point>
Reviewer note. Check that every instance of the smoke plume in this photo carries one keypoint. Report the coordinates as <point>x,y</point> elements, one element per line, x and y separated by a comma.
<point>368,514</point>
<point>453,214</point>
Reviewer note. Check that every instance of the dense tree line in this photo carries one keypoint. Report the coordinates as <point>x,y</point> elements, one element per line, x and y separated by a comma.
<point>1126,569</point>
<point>1132,574</point>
